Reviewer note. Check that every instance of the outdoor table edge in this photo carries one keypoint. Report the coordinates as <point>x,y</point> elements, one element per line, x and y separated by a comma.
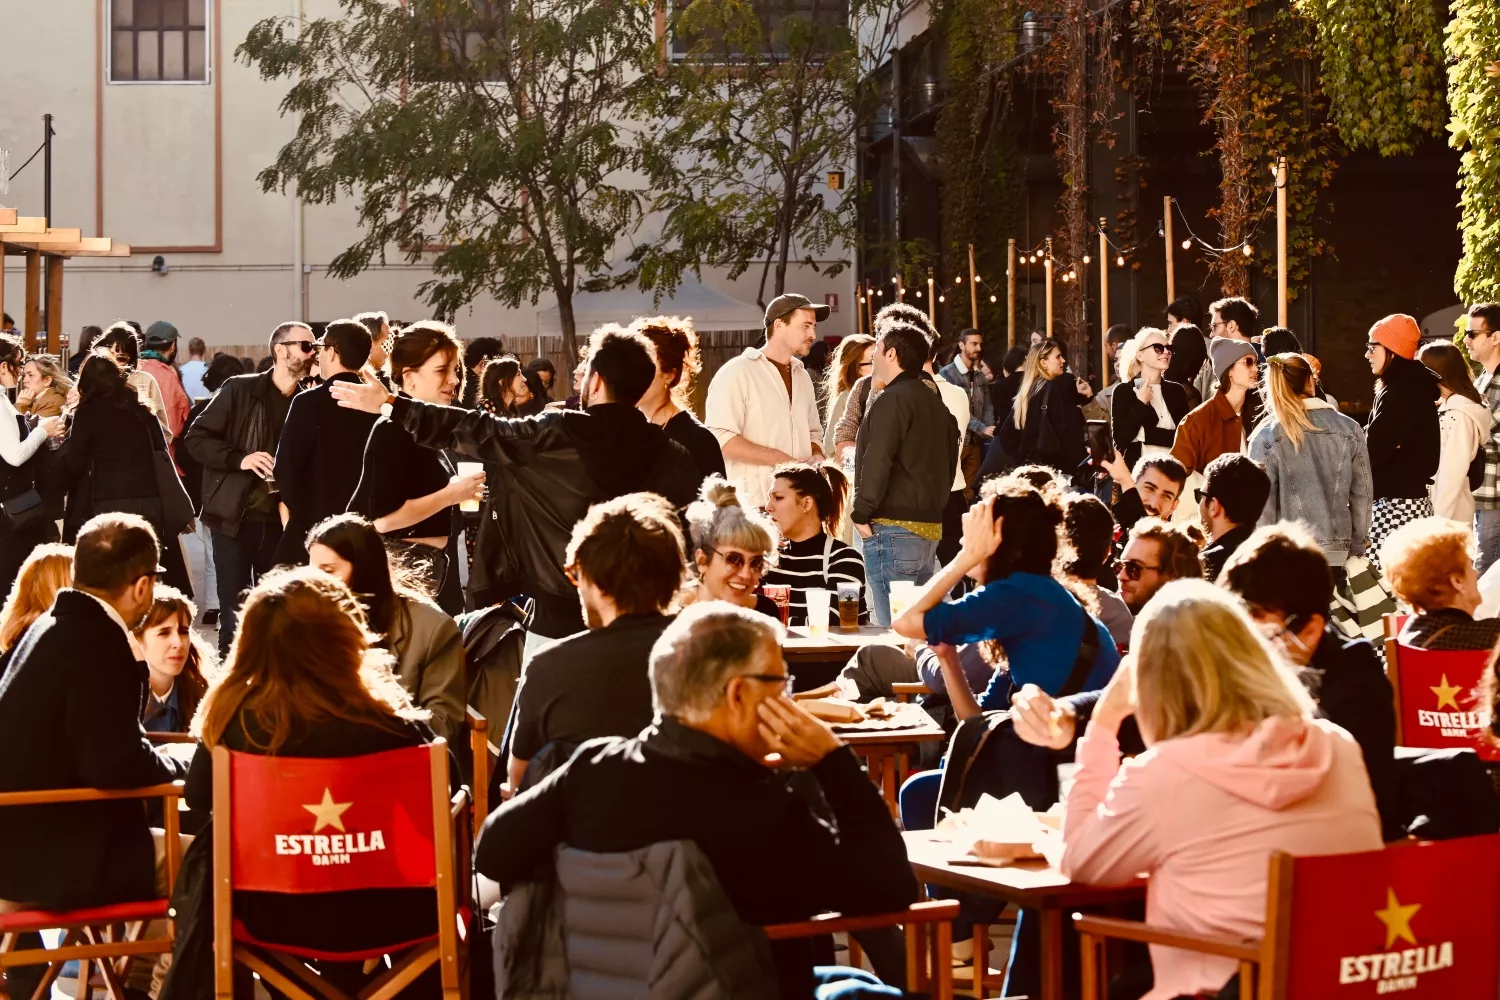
<point>1057,898</point>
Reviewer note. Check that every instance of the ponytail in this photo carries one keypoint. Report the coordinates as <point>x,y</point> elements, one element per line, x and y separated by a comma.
<point>1289,380</point>
<point>825,483</point>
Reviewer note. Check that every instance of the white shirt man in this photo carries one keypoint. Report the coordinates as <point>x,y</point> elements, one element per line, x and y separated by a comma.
<point>762,406</point>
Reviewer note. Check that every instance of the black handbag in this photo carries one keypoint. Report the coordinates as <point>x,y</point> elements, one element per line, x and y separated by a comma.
<point>176,506</point>
<point>24,510</point>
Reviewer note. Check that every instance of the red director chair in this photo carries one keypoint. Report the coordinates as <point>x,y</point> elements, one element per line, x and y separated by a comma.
<point>306,825</point>
<point>1417,920</point>
<point>1437,702</point>
<point>108,936</point>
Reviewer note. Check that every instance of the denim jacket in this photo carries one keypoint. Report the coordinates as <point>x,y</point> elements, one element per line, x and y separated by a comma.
<point>1326,484</point>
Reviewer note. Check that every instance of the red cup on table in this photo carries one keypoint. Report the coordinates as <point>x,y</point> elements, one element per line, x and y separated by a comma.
<point>781,596</point>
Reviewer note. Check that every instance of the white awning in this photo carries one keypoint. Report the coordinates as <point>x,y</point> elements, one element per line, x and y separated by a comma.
<point>709,310</point>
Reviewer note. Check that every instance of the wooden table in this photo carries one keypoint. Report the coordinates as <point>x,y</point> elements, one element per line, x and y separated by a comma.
<point>883,750</point>
<point>835,644</point>
<point>1030,885</point>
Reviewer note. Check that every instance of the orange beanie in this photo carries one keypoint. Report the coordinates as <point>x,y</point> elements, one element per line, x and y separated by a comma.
<point>1399,334</point>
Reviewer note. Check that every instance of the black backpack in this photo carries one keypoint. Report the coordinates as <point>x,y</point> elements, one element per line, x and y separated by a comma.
<point>1477,466</point>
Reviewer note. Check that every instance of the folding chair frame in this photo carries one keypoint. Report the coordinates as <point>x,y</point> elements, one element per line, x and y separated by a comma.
<point>291,975</point>
<point>929,937</point>
<point>1262,961</point>
<point>479,747</point>
<point>108,944</point>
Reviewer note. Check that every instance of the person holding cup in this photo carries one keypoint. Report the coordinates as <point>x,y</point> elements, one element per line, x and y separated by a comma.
<point>807,502</point>
<point>409,492</point>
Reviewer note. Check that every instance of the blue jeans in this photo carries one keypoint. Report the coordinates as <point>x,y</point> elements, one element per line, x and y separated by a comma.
<point>893,554</point>
<point>1487,530</point>
<point>837,982</point>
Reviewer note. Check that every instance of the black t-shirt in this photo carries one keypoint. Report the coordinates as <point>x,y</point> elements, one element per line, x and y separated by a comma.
<point>397,469</point>
<point>588,685</point>
<point>699,441</point>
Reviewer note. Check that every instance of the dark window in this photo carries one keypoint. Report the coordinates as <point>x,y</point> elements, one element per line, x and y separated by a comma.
<point>827,16</point>
<point>158,40</point>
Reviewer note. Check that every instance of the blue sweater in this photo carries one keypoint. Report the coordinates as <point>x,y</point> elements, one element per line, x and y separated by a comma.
<point>1038,624</point>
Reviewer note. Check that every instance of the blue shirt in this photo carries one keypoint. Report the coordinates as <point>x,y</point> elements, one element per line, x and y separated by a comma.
<point>1038,624</point>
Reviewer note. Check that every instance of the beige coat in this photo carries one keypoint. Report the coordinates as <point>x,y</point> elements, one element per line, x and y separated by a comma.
<point>429,653</point>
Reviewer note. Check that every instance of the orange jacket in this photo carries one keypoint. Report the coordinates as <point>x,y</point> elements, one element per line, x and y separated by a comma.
<point>1209,431</point>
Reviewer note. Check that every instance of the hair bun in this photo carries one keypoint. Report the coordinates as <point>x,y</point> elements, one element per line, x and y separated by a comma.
<point>720,492</point>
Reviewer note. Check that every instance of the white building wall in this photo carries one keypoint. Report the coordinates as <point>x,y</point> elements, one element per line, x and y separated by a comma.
<point>229,247</point>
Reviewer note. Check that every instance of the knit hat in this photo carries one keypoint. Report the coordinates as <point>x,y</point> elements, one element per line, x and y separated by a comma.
<point>161,332</point>
<point>1399,334</point>
<point>1225,352</point>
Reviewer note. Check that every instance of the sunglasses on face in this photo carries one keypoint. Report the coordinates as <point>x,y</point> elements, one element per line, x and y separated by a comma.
<point>1471,333</point>
<point>736,561</point>
<point>1131,569</point>
<point>305,346</point>
<point>1200,496</point>
<point>1159,348</point>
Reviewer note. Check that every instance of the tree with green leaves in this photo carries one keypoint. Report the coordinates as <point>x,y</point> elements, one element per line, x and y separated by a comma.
<point>489,137</point>
<point>761,100</point>
<point>1473,45</point>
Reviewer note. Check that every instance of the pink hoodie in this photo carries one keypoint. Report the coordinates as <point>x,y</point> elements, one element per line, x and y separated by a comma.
<point>1201,815</point>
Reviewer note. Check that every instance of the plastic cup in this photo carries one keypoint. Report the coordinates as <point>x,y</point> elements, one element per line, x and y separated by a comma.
<point>903,593</point>
<point>818,604</point>
<point>469,469</point>
<point>849,606</point>
<point>781,596</point>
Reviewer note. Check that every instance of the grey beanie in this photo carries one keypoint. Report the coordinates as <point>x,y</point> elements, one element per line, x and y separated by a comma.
<point>1226,352</point>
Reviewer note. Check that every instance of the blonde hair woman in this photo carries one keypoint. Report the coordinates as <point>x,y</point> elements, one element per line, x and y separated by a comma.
<point>1046,426</point>
<point>854,358</point>
<point>1316,459</point>
<point>1236,768</point>
<point>732,549</point>
<point>1146,409</point>
<point>47,570</point>
<point>44,386</point>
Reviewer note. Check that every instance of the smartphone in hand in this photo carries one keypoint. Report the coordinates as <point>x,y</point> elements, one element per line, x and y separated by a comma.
<point>1101,448</point>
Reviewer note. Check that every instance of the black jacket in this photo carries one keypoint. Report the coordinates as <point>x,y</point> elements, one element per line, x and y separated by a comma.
<point>1127,415</point>
<point>234,424</point>
<point>319,457</point>
<point>1217,552</point>
<point>1053,434</point>
<point>545,472</point>
<point>1403,436</point>
<point>70,701</point>
<point>106,459</point>
<point>676,783</point>
<point>906,452</point>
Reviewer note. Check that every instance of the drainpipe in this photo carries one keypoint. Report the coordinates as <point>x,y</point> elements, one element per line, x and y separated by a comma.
<point>299,287</point>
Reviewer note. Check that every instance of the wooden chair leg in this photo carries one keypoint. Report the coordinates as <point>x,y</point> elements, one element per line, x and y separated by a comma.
<point>856,953</point>
<point>81,992</point>
<point>1091,970</point>
<point>942,962</point>
<point>981,958</point>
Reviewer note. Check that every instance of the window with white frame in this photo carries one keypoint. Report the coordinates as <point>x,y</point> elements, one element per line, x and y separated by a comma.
<point>158,41</point>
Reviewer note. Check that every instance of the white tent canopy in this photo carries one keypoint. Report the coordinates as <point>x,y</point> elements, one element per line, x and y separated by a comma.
<point>710,310</point>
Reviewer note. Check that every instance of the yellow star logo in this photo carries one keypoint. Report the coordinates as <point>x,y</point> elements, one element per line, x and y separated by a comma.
<point>1447,694</point>
<point>1397,919</point>
<point>328,812</point>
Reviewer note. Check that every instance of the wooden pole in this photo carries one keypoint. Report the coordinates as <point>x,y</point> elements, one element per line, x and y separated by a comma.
<point>33,297</point>
<point>1281,304</point>
<point>2,279</point>
<point>974,289</point>
<point>1166,209</point>
<point>931,300</point>
<point>1010,293</point>
<point>1104,378</point>
<point>1048,265</point>
<point>54,303</point>
<point>869,309</point>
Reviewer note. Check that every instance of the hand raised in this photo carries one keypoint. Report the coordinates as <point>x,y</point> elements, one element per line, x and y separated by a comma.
<point>792,732</point>
<point>367,394</point>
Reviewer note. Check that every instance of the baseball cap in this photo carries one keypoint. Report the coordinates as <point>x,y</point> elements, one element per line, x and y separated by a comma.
<point>161,332</point>
<point>784,305</point>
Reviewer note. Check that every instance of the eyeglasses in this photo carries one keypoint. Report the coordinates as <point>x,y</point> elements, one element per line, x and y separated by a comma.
<point>1131,570</point>
<point>1370,348</point>
<point>736,561</point>
<point>785,680</point>
<point>305,346</point>
<point>1159,348</point>
<point>867,364</point>
<point>1471,333</point>
<point>1200,496</point>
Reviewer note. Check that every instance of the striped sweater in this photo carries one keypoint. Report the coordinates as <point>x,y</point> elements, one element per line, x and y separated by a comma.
<point>819,562</point>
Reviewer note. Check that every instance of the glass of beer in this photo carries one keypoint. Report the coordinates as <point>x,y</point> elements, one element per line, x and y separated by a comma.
<point>469,469</point>
<point>849,606</point>
<point>781,596</point>
<point>818,608</point>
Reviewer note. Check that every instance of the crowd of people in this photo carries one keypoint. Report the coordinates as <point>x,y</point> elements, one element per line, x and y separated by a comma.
<point>1151,568</point>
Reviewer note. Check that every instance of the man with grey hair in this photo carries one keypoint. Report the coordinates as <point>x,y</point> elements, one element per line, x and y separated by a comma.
<point>235,439</point>
<point>711,769</point>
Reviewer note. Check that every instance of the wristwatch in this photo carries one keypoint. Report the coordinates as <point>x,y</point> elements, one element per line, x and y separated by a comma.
<point>385,408</point>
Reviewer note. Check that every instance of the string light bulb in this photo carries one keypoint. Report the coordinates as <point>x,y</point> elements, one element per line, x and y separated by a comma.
<point>942,298</point>
<point>958,279</point>
<point>1120,261</point>
<point>919,293</point>
<point>1086,258</point>
<point>1187,244</point>
<point>1249,250</point>
<point>895,281</point>
<point>993,299</point>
